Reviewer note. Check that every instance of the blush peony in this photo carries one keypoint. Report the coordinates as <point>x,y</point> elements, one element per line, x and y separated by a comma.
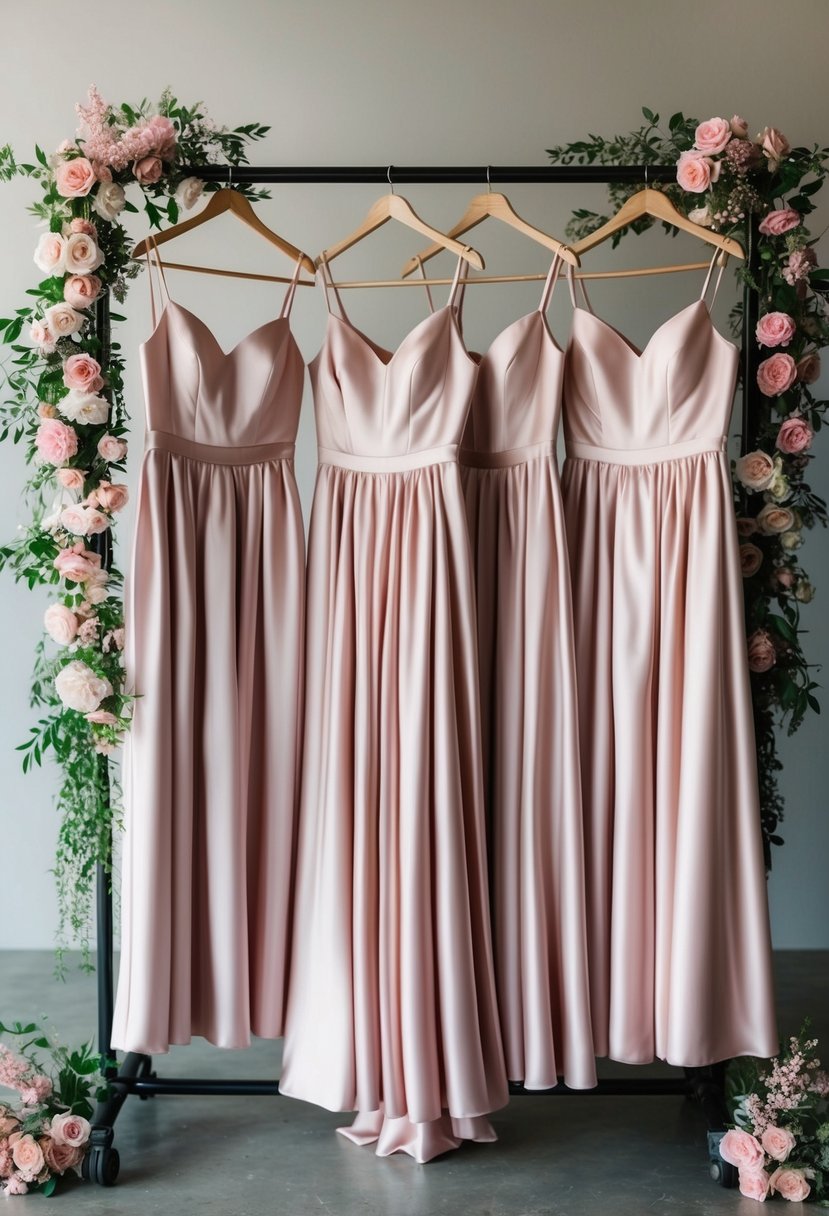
<point>56,442</point>
<point>79,688</point>
<point>60,623</point>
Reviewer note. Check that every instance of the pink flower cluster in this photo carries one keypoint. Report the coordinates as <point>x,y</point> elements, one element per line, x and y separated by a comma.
<point>719,139</point>
<point>107,147</point>
<point>32,1157</point>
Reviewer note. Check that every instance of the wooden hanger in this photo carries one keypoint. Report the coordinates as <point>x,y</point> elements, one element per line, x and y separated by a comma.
<point>657,205</point>
<point>498,207</point>
<point>230,200</point>
<point>393,206</point>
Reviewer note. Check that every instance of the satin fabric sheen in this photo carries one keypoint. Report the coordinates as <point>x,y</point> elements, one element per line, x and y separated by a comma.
<point>529,708</point>
<point>214,626</point>
<point>679,946</point>
<point>392,1008</point>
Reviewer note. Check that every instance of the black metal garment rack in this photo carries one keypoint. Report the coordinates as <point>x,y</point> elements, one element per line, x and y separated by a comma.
<point>135,1074</point>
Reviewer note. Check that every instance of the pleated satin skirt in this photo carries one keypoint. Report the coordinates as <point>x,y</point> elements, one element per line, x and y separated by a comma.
<point>679,944</point>
<point>214,623</point>
<point>392,1008</point>
<point>532,776</point>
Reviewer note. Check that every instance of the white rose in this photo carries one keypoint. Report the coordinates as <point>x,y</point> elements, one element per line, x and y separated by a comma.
<point>82,254</point>
<point>50,254</point>
<point>109,200</point>
<point>62,320</point>
<point>779,488</point>
<point>791,540</point>
<point>804,591</point>
<point>87,408</point>
<point>79,688</point>
<point>189,192</point>
<point>701,215</point>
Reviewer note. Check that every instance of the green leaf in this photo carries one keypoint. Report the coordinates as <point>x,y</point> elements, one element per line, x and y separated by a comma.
<point>48,1188</point>
<point>676,121</point>
<point>649,114</point>
<point>41,156</point>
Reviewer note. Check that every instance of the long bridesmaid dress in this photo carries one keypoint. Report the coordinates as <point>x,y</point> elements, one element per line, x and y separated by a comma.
<point>528,704</point>
<point>680,955</point>
<point>214,612</point>
<point>392,1008</point>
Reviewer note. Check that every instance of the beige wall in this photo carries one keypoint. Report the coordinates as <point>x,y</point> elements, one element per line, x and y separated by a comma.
<point>376,81</point>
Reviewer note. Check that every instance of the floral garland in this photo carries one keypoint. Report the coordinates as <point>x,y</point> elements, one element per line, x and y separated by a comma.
<point>45,1134</point>
<point>762,189</point>
<point>65,403</point>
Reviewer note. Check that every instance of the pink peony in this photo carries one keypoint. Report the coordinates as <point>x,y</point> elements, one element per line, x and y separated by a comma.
<point>755,470</point>
<point>754,1184</point>
<point>795,435</point>
<point>739,127</point>
<point>808,368</point>
<point>164,134</point>
<point>50,254</point>
<point>79,688</point>
<point>775,329</point>
<point>789,1183</point>
<point>751,559</point>
<point>83,373</point>
<point>111,449</point>
<point>81,290</point>
<point>56,442</point>
<point>712,136</point>
<point>60,623</point>
<point>778,1142</point>
<point>67,1128</point>
<point>761,657</point>
<point>775,146</point>
<point>148,170</point>
<point>28,1157</point>
<point>71,479</point>
<point>739,1148</point>
<point>776,375</point>
<point>60,1157</point>
<point>74,178</point>
<point>77,563</point>
<point>694,172</point>
<point>779,221</point>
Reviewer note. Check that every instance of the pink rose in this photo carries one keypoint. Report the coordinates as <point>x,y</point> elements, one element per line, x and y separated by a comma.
<point>795,435</point>
<point>791,1184</point>
<point>50,254</point>
<point>779,221</point>
<point>43,337</point>
<point>148,170</point>
<point>71,479</point>
<point>77,563</point>
<point>55,441</point>
<point>110,497</point>
<point>78,224</point>
<point>67,1128</point>
<point>82,254</point>
<point>751,559</point>
<point>83,373</point>
<point>773,519</point>
<point>761,657</point>
<point>74,178</point>
<point>102,717</point>
<point>61,624</point>
<point>775,146</point>
<point>785,576</point>
<point>83,521</point>
<point>28,1157</point>
<point>755,470</point>
<point>8,1123</point>
<point>799,265</point>
<point>96,587</point>
<point>775,329</point>
<point>62,320</point>
<point>754,1184</point>
<point>60,1157</point>
<point>746,527</point>
<point>712,136</point>
<point>778,1142</point>
<point>694,172</point>
<point>739,127</point>
<point>81,290</point>
<point>808,368</point>
<point>776,374</point>
<point>79,688</point>
<point>741,1149</point>
<point>111,449</point>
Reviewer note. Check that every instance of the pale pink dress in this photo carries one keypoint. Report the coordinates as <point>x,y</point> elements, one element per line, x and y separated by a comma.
<point>529,708</point>
<point>214,627</point>
<point>680,954</point>
<point>392,1008</point>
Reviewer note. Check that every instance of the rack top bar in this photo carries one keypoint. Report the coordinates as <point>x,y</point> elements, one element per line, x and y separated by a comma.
<point>477,174</point>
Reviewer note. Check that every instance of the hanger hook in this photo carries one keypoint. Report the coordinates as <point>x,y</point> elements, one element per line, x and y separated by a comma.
<point>230,177</point>
<point>646,175</point>
<point>488,179</point>
<point>388,178</point>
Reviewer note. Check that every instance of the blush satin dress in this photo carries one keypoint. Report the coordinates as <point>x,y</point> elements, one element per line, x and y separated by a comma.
<point>391,1007</point>
<point>679,944</point>
<point>529,708</point>
<point>214,610</point>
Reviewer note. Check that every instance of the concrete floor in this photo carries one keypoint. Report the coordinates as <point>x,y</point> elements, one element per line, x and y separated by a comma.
<point>239,1156</point>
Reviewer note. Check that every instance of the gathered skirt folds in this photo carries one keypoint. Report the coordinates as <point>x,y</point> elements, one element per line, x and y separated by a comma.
<point>392,1009</point>
<point>677,908</point>
<point>214,624</point>
<point>530,739</point>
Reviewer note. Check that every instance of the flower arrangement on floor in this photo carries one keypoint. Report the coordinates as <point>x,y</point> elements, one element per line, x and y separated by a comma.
<point>45,1132</point>
<point>762,190</point>
<point>65,405</point>
<point>780,1142</point>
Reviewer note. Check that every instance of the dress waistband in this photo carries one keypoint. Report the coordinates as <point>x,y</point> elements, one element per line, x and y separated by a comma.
<point>447,453</point>
<point>657,455</point>
<point>504,459</point>
<point>211,453</point>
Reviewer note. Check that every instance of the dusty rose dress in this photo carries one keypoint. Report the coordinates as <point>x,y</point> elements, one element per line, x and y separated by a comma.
<point>391,1008</point>
<point>528,705</point>
<point>214,618</point>
<point>680,957</point>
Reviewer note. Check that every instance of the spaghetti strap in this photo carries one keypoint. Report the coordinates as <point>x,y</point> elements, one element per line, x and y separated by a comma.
<point>425,282</point>
<point>571,279</point>
<point>723,263</point>
<point>152,252</point>
<point>552,278</point>
<point>462,263</point>
<point>288,298</point>
<point>327,282</point>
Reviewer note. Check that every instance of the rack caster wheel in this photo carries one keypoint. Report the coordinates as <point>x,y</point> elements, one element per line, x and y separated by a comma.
<point>101,1165</point>
<point>721,1171</point>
